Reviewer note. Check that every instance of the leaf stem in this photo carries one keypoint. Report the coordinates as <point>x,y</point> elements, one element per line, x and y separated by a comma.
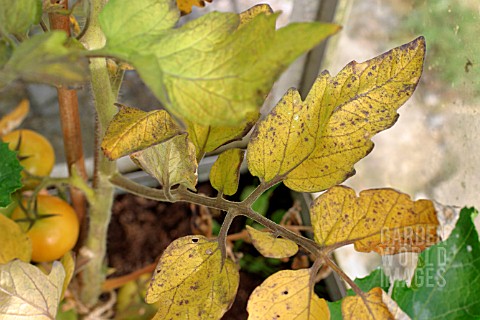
<point>222,235</point>
<point>240,208</point>
<point>350,282</point>
<point>248,202</point>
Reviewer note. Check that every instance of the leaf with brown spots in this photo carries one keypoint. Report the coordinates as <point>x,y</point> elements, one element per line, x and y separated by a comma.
<point>271,246</point>
<point>355,308</point>
<point>133,129</point>
<point>171,162</point>
<point>287,295</point>
<point>189,281</point>
<point>185,6</point>
<point>313,144</point>
<point>382,220</point>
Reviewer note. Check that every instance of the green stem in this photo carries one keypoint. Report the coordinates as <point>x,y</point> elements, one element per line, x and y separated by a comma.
<point>100,211</point>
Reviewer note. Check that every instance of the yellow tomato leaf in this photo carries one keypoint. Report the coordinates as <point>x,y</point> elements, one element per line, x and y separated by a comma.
<point>354,307</point>
<point>313,144</point>
<point>28,293</point>
<point>382,220</point>
<point>185,6</point>
<point>271,246</point>
<point>225,172</point>
<point>171,162</point>
<point>209,138</point>
<point>133,129</point>
<point>15,244</point>
<point>250,14</point>
<point>190,283</point>
<point>68,263</point>
<point>14,118</point>
<point>287,295</point>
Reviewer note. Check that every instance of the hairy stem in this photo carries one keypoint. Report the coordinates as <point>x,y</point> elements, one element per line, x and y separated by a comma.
<point>100,210</point>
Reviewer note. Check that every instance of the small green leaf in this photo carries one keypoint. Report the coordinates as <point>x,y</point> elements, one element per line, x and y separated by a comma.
<point>44,58</point>
<point>133,129</point>
<point>171,162</point>
<point>27,293</point>
<point>10,174</point>
<point>15,244</point>
<point>17,16</point>
<point>447,279</point>
<point>225,172</point>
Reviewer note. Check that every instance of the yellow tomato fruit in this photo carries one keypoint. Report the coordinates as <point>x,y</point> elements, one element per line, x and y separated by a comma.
<point>35,152</point>
<point>51,236</point>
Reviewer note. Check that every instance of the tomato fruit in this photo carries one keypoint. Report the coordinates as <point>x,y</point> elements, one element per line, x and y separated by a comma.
<point>34,151</point>
<point>51,236</point>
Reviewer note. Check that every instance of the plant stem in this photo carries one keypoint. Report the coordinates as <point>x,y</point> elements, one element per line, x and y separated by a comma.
<point>100,210</point>
<point>259,191</point>
<point>240,208</point>
<point>72,134</point>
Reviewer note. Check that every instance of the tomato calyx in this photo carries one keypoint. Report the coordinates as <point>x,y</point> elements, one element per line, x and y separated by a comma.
<point>17,149</point>
<point>32,215</point>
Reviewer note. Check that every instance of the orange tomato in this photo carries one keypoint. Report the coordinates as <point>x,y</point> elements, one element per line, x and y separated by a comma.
<point>51,236</point>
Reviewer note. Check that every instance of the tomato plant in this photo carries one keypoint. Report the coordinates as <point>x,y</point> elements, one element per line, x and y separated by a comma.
<point>35,152</point>
<point>53,232</point>
<point>211,75</point>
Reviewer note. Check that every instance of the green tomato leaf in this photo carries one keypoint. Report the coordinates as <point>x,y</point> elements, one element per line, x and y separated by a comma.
<point>225,172</point>
<point>447,279</point>
<point>10,177</point>
<point>28,293</point>
<point>224,65</point>
<point>44,58</point>
<point>17,16</point>
<point>130,26</point>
